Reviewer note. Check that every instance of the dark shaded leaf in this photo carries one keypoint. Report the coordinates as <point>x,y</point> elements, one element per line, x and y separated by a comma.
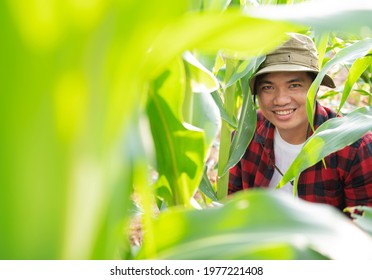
<point>206,186</point>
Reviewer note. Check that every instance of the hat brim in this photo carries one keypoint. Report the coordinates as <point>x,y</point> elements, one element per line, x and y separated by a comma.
<point>327,80</point>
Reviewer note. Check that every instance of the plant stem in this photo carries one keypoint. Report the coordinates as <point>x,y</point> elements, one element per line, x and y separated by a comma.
<point>225,137</point>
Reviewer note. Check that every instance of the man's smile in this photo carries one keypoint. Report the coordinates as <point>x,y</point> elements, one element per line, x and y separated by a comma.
<point>284,112</point>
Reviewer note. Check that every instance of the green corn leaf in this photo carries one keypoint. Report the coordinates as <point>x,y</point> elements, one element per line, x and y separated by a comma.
<point>248,117</point>
<point>362,216</point>
<point>180,150</point>
<point>245,130</point>
<point>356,70</point>
<point>225,134</point>
<point>323,16</point>
<point>215,5</point>
<point>245,67</point>
<point>364,92</point>
<point>206,116</point>
<point>217,98</point>
<point>240,229</point>
<point>213,32</point>
<point>202,80</point>
<point>328,94</point>
<point>73,82</point>
<point>205,113</point>
<point>199,109</point>
<point>330,137</point>
<point>72,97</point>
<point>321,41</point>
<point>206,186</point>
<point>352,52</point>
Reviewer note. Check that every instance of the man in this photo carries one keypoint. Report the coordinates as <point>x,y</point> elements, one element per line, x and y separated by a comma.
<point>281,85</point>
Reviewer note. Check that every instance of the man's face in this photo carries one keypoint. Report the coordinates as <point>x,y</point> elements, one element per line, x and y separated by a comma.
<point>282,100</point>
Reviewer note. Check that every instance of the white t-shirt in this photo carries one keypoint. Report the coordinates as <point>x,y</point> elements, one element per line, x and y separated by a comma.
<point>285,153</point>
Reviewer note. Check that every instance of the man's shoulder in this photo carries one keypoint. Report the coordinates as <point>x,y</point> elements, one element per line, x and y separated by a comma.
<point>323,114</point>
<point>262,123</point>
<point>366,139</point>
<point>330,113</point>
<point>260,117</point>
<point>264,129</point>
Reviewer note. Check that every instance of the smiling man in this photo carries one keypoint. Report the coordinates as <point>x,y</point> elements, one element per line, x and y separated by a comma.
<point>281,85</point>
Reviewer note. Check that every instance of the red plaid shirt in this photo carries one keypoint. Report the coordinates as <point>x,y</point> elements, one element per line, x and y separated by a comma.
<point>347,181</point>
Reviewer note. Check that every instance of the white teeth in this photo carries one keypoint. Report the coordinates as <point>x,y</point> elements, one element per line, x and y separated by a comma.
<point>282,113</point>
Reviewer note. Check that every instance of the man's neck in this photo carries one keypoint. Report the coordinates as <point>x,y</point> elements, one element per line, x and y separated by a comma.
<point>294,137</point>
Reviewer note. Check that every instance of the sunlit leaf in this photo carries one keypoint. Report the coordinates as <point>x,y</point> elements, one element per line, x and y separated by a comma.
<point>328,94</point>
<point>201,79</point>
<point>212,32</point>
<point>73,91</point>
<point>362,216</point>
<point>252,233</point>
<point>352,52</point>
<point>323,16</point>
<point>74,80</point>
<point>321,42</point>
<point>245,67</point>
<point>215,5</point>
<point>363,92</point>
<point>356,70</point>
<point>206,116</point>
<point>180,150</point>
<point>224,115</point>
<point>330,137</point>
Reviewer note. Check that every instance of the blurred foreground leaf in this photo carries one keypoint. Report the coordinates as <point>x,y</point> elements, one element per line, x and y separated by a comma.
<point>259,224</point>
<point>323,16</point>
<point>362,216</point>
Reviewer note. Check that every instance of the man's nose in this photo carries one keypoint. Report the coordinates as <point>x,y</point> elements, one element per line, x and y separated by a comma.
<point>281,97</point>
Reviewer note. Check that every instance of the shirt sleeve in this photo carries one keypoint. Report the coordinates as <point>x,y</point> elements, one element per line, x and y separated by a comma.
<point>235,178</point>
<point>358,182</point>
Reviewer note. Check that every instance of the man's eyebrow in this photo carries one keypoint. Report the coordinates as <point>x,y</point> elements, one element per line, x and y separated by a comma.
<point>295,80</point>
<point>263,81</point>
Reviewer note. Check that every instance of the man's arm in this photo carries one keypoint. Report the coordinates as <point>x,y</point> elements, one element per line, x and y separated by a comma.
<point>358,182</point>
<point>235,178</point>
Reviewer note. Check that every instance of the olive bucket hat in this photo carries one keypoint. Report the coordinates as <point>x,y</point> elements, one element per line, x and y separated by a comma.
<point>297,54</point>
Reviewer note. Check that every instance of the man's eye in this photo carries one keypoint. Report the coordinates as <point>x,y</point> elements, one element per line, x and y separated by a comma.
<point>266,87</point>
<point>295,85</point>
